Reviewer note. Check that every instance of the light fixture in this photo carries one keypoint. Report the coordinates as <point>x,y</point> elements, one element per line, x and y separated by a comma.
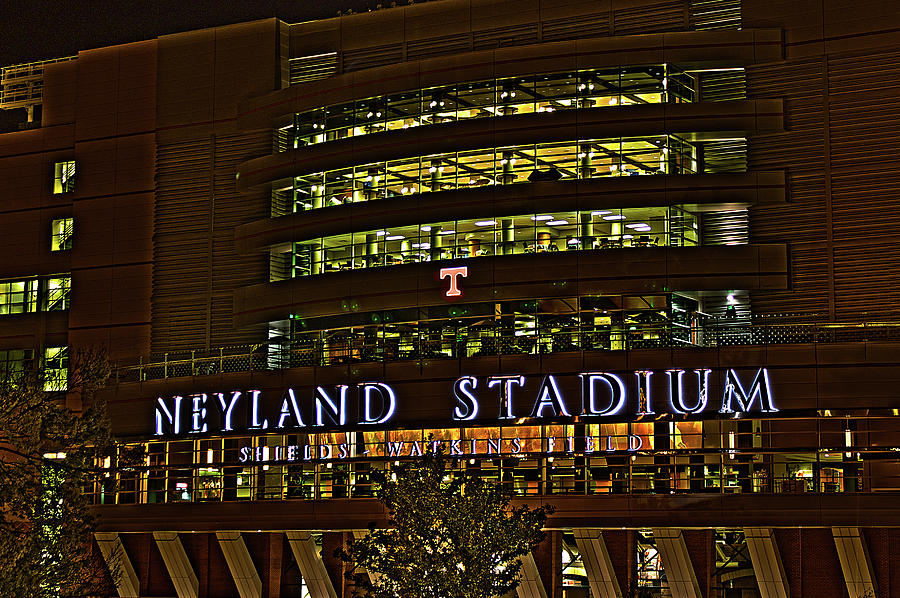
<point>637,225</point>
<point>557,222</point>
<point>425,229</point>
<point>380,233</point>
<point>600,212</point>
<point>486,223</point>
<point>614,217</point>
<point>544,217</point>
<point>394,238</point>
<point>446,232</point>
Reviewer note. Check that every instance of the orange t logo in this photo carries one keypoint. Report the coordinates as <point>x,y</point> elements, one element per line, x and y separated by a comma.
<point>454,273</point>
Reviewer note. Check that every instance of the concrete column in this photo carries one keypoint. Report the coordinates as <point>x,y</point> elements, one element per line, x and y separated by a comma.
<point>246,578</point>
<point>597,563</point>
<point>676,562</point>
<point>177,564</point>
<point>767,564</point>
<point>312,568</point>
<point>127,583</point>
<point>530,585</point>
<point>855,563</point>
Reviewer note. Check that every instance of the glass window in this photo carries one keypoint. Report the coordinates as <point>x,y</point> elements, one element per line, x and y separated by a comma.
<point>58,293</point>
<point>64,177</point>
<point>14,360</point>
<point>56,368</point>
<point>18,296</point>
<point>61,231</point>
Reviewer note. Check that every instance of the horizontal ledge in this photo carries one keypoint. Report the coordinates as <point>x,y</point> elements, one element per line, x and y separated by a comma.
<point>704,120</point>
<point>703,192</point>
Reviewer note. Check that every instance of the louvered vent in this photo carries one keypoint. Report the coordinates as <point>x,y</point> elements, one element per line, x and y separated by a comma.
<point>279,265</point>
<point>727,155</point>
<point>501,37</point>
<point>577,27</point>
<point>720,86</point>
<point>716,14</point>
<point>312,68</point>
<point>366,58</point>
<point>281,202</point>
<point>280,140</point>
<point>437,46</point>
<point>726,228</point>
<point>653,18</point>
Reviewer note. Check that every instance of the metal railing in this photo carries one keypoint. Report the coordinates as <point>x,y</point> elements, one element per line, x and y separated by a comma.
<point>347,346</point>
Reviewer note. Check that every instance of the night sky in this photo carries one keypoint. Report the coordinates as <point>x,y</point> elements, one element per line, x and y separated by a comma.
<point>40,29</point>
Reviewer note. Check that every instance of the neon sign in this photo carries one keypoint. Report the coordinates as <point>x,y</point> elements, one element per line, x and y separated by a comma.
<point>453,274</point>
<point>490,399</point>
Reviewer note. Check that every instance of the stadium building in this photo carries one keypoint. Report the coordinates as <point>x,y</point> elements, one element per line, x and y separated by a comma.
<point>631,258</point>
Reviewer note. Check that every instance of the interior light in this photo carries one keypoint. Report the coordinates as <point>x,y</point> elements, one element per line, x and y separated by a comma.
<point>614,217</point>
<point>557,222</point>
<point>381,233</point>
<point>394,238</point>
<point>627,236</point>
<point>600,212</point>
<point>636,225</point>
<point>544,217</point>
<point>486,223</point>
<point>446,232</point>
<point>209,456</point>
<point>425,229</point>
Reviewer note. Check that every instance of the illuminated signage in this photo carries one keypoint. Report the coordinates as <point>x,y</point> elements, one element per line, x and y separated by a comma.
<point>487,399</point>
<point>453,274</point>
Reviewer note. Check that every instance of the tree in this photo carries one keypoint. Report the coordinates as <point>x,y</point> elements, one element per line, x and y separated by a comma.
<point>48,455</point>
<point>453,536</point>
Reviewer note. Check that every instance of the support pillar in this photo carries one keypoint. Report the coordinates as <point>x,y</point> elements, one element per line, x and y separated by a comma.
<point>127,583</point>
<point>767,564</point>
<point>246,578</point>
<point>530,584</point>
<point>676,562</point>
<point>312,568</point>
<point>855,562</point>
<point>599,567</point>
<point>177,564</point>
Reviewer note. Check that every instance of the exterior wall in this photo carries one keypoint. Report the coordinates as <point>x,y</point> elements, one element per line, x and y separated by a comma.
<point>839,85</point>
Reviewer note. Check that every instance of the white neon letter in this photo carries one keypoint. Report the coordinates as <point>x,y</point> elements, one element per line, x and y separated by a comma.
<point>228,409</point>
<point>506,403</point>
<point>549,396</point>
<point>254,412</point>
<point>388,402</point>
<point>644,405</point>
<point>198,413</point>
<point>467,408</point>
<point>325,406</point>
<point>589,393</point>
<point>289,408</point>
<point>163,415</point>
<point>676,391</point>
<point>735,390</point>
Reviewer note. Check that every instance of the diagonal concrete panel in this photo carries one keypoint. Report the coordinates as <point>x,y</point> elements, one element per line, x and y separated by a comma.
<point>177,564</point>
<point>597,563</point>
<point>127,583</point>
<point>676,562</point>
<point>855,562</point>
<point>767,565</point>
<point>530,583</point>
<point>246,578</point>
<point>312,568</point>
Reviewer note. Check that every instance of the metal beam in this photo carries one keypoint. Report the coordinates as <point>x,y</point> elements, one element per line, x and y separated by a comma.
<point>177,564</point>
<point>312,568</point>
<point>530,584</point>
<point>246,578</point>
<point>855,562</point>
<point>120,567</point>
<point>599,567</point>
<point>676,562</point>
<point>767,565</point>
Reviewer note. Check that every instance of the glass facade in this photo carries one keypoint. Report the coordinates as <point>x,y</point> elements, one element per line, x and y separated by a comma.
<point>764,456</point>
<point>35,294</point>
<point>529,234</point>
<point>577,159</point>
<point>546,92</point>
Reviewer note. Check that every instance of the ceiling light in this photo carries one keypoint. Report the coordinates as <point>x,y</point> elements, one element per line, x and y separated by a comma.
<point>486,223</point>
<point>394,238</point>
<point>601,212</point>
<point>557,222</point>
<point>544,217</point>
<point>425,229</point>
<point>614,217</point>
<point>637,225</point>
